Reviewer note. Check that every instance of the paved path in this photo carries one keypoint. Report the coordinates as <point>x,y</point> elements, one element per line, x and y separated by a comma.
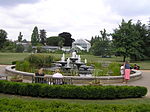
<point>145,81</point>
<point>2,69</point>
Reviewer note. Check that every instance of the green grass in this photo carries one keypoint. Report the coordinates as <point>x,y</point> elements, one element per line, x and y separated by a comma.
<point>7,58</point>
<point>81,102</point>
<point>12,104</point>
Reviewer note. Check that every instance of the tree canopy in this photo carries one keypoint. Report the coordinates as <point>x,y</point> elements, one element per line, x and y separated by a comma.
<point>35,36</point>
<point>43,37</point>
<point>55,41</point>
<point>128,40</point>
<point>20,37</point>
<point>67,38</point>
<point>101,45</point>
<point>3,36</point>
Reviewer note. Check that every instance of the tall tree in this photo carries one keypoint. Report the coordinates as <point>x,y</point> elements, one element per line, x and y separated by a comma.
<point>147,45</point>
<point>143,41</point>
<point>43,37</point>
<point>20,37</point>
<point>3,36</point>
<point>101,45</point>
<point>125,40</point>
<point>35,36</point>
<point>145,36</point>
<point>68,40</point>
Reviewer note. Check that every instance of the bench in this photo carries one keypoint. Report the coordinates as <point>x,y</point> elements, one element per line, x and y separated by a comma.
<point>51,80</point>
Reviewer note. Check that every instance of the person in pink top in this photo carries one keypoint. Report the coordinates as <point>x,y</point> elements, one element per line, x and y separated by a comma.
<point>127,71</point>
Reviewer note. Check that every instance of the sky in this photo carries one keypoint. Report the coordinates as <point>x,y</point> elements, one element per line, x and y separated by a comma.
<point>82,18</point>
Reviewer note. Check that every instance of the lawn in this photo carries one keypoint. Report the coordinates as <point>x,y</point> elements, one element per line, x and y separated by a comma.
<point>15,104</point>
<point>7,58</point>
<point>81,102</point>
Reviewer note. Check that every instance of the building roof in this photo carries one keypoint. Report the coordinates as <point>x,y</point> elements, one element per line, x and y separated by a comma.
<point>81,41</point>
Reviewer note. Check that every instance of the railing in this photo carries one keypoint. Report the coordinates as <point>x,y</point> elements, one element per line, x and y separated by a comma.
<point>51,80</point>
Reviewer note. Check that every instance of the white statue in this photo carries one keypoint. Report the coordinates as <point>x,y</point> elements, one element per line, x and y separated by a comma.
<point>85,61</point>
<point>79,59</point>
<point>36,51</point>
<point>68,62</point>
<point>73,54</point>
<point>63,57</point>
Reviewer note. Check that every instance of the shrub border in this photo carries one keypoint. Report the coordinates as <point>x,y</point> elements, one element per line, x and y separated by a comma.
<point>72,91</point>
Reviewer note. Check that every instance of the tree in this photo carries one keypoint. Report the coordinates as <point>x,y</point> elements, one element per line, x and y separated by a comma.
<point>61,43</point>
<point>43,37</point>
<point>19,48</point>
<point>55,41</point>
<point>101,45</point>
<point>20,37</point>
<point>35,37</point>
<point>3,36</point>
<point>144,38</point>
<point>147,45</point>
<point>9,46</point>
<point>126,40</point>
<point>68,40</point>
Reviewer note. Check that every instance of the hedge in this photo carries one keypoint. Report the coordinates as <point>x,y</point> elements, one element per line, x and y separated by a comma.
<point>72,91</point>
<point>21,105</point>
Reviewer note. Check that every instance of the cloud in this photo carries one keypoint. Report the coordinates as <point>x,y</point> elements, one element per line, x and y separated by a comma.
<point>11,3</point>
<point>129,7</point>
<point>82,18</point>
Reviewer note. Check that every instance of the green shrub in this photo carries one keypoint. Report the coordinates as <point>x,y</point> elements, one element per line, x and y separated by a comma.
<point>24,66</point>
<point>22,105</point>
<point>114,68</point>
<point>40,60</point>
<point>14,62</point>
<point>72,91</point>
<point>34,62</point>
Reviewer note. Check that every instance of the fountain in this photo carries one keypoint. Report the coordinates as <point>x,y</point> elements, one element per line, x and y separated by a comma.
<point>63,58</point>
<point>78,62</point>
<point>74,57</point>
<point>74,64</point>
<point>67,67</point>
<point>62,62</point>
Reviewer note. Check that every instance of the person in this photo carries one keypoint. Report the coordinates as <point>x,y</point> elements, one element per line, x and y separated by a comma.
<point>122,69</point>
<point>136,67</point>
<point>40,79</point>
<point>58,75</point>
<point>127,71</point>
<point>40,72</point>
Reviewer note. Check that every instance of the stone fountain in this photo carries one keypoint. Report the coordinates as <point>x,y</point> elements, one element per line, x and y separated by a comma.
<point>62,61</point>
<point>74,63</point>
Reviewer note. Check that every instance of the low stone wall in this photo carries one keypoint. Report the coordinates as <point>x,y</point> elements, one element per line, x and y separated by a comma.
<point>10,70</point>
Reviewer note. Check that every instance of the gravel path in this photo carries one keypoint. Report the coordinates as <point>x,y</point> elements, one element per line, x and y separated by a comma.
<point>145,81</point>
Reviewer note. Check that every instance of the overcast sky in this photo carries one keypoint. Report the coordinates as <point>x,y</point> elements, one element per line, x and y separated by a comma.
<point>81,18</point>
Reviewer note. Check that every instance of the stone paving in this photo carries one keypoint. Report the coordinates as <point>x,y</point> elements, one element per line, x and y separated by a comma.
<point>144,81</point>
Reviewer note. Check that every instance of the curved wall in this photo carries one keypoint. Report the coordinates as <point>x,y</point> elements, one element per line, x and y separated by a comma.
<point>10,70</point>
